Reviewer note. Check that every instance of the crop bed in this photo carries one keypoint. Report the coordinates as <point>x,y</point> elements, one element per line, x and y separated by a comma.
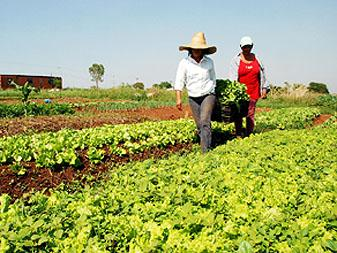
<point>271,192</point>
<point>93,118</point>
<point>45,160</point>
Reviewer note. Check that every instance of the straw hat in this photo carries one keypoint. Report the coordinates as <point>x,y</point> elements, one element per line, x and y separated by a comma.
<point>199,42</point>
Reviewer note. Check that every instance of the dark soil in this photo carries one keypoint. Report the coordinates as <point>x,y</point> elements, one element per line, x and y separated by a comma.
<point>39,179</point>
<point>321,119</point>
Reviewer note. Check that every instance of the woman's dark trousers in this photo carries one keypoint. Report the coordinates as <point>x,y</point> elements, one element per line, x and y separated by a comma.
<point>202,108</point>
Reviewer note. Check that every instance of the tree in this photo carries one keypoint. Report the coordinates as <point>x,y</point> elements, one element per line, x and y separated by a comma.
<point>162,85</point>
<point>97,72</point>
<point>57,83</point>
<point>138,85</point>
<point>318,87</point>
<point>165,85</point>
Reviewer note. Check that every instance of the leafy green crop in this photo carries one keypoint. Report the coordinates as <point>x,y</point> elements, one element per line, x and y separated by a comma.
<point>327,103</point>
<point>61,148</point>
<point>271,192</point>
<point>32,109</point>
<point>327,100</point>
<point>295,118</point>
<point>232,100</point>
<point>128,105</point>
<point>230,92</point>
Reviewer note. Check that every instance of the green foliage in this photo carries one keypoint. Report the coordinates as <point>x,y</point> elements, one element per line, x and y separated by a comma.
<point>138,85</point>
<point>140,96</point>
<point>97,72</point>
<point>10,94</point>
<point>60,148</point>
<point>162,85</point>
<point>25,90</point>
<point>327,101</point>
<point>318,87</point>
<point>33,109</point>
<point>126,92</point>
<point>57,83</point>
<point>285,119</point>
<point>104,106</point>
<point>156,94</point>
<point>51,149</point>
<point>245,247</point>
<point>232,101</point>
<point>284,101</point>
<point>272,192</point>
<point>228,92</point>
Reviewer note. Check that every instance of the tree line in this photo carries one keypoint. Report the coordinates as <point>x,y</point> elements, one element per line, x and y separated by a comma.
<point>96,72</point>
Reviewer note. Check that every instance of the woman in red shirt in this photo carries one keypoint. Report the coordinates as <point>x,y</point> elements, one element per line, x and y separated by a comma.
<point>248,69</point>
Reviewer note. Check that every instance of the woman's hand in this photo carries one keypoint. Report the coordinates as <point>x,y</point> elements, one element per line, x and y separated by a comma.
<point>264,93</point>
<point>178,103</point>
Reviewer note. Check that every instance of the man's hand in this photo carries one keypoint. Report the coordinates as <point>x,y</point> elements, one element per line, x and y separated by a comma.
<point>264,93</point>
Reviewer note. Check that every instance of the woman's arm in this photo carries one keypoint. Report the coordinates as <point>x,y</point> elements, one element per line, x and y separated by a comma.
<point>263,78</point>
<point>178,98</point>
<point>180,83</point>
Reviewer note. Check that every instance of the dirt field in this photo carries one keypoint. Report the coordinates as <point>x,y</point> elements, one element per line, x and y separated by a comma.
<point>94,118</point>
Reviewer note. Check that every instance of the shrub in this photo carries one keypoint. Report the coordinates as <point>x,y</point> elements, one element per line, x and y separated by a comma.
<point>328,103</point>
<point>138,85</point>
<point>163,85</point>
<point>318,87</point>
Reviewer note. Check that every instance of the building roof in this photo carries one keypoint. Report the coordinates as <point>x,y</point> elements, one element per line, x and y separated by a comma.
<point>29,76</point>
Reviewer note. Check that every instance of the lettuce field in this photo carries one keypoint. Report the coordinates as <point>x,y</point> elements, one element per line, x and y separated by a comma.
<point>145,187</point>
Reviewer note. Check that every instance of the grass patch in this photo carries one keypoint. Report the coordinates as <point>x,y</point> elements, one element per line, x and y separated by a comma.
<point>327,104</point>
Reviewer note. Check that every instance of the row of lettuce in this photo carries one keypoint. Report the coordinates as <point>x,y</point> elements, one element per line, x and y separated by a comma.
<point>63,148</point>
<point>47,109</point>
<point>271,192</point>
<point>33,109</point>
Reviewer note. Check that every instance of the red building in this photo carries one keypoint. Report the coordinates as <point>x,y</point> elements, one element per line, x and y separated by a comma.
<point>43,82</point>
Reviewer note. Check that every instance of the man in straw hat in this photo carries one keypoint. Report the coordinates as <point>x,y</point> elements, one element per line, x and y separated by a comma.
<point>196,72</point>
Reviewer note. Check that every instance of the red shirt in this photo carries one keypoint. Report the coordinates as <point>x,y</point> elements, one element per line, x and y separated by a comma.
<point>249,74</point>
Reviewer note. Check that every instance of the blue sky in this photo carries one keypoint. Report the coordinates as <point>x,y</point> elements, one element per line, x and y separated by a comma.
<point>138,40</point>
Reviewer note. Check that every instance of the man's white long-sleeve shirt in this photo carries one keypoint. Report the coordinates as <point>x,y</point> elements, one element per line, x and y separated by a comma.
<point>199,78</point>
